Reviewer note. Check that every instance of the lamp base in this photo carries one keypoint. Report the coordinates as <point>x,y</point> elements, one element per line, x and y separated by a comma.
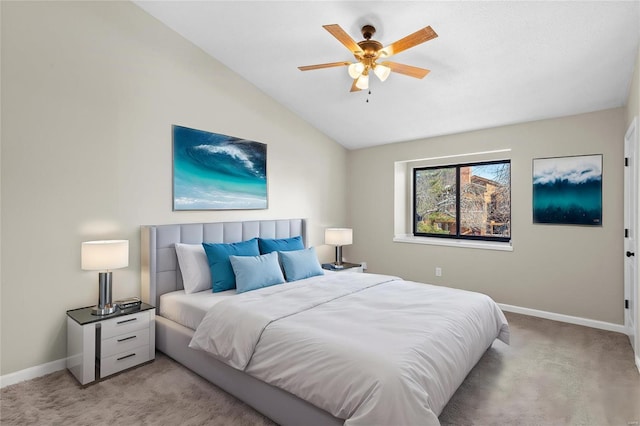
<point>105,305</point>
<point>338,261</point>
<point>108,309</point>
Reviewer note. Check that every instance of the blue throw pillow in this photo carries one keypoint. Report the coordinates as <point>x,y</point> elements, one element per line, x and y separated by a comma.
<point>300,264</point>
<point>222,277</point>
<point>253,272</point>
<point>268,245</point>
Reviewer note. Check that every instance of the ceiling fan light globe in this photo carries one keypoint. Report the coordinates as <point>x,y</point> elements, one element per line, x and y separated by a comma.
<point>382,72</point>
<point>355,69</point>
<point>363,82</point>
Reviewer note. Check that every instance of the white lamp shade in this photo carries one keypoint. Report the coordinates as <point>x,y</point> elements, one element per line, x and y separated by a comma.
<point>338,236</point>
<point>382,71</point>
<point>355,69</point>
<point>105,255</point>
<point>363,82</point>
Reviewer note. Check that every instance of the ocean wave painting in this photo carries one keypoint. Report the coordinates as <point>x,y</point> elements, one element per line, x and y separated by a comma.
<point>568,190</point>
<point>212,171</point>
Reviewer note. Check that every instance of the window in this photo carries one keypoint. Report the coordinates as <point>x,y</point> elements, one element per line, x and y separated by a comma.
<point>464,201</point>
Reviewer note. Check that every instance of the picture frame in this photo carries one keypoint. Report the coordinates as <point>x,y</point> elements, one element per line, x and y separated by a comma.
<point>568,190</point>
<point>213,171</point>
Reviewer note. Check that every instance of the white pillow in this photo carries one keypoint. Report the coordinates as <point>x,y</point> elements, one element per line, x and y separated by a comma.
<point>196,275</point>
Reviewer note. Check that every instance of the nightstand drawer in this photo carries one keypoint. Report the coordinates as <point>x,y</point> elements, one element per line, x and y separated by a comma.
<point>124,324</point>
<point>124,342</point>
<point>123,360</point>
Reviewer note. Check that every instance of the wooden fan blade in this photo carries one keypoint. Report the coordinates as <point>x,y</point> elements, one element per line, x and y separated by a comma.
<point>344,38</point>
<point>354,88</point>
<point>407,69</point>
<point>319,66</point>
<point>409,41</point>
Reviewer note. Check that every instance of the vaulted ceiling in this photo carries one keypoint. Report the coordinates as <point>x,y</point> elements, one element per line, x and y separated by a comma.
<point>492,64</point>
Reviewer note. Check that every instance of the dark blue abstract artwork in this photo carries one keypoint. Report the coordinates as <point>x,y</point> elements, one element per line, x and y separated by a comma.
<point>212,171</point>
<point>568,190</point>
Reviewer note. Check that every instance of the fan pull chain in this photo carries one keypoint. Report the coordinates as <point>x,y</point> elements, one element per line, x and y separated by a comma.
<point>368,96</point>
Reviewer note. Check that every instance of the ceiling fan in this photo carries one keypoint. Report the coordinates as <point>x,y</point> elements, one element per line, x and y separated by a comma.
<point>367,53</point>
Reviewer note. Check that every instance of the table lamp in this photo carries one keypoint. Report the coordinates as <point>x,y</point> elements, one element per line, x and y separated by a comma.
<point>338,237</point>
<point>104,256</point>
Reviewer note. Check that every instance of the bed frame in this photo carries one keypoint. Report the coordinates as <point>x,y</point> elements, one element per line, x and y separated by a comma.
<point>161,274</point>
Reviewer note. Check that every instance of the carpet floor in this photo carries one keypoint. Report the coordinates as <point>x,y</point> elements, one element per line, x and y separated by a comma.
<point>551,374</point>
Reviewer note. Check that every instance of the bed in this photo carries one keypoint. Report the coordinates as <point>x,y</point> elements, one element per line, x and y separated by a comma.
<point>294,333</point>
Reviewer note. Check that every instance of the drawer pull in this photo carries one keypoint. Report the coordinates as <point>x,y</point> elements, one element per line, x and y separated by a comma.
<point>125,357</point>
<point>126,338</point>
<point>127,320</point>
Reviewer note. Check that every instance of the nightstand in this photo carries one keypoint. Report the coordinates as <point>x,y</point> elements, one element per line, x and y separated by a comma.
<point>346,266</point>
<point>99,346</point>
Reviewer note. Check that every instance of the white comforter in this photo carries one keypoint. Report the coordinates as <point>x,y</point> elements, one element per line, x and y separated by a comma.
<point>370,349</point>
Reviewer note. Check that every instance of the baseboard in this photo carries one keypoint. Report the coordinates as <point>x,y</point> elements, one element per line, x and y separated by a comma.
<point>618,328</point>
<point>33,372</point>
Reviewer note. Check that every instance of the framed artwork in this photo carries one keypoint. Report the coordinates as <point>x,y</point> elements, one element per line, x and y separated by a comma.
<point>568,190</point>
<point>212,171</point>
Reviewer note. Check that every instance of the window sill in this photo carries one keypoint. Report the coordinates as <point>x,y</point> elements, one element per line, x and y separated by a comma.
<point>484,245</point>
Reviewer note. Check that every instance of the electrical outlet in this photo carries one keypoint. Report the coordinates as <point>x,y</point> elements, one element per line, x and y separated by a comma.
<point>364,265</point>
<point>438,271</point>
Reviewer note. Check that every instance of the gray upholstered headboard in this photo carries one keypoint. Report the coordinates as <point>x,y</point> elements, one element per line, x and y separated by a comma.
<point>160,270</point>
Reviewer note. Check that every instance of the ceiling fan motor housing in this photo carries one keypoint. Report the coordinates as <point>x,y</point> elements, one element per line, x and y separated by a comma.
<point>371,48</point>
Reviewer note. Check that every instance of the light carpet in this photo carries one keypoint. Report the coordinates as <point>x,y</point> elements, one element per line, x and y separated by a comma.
<point>551,374</point>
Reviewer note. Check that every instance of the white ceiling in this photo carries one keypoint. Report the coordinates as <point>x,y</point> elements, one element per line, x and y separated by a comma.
<point>494,63</point>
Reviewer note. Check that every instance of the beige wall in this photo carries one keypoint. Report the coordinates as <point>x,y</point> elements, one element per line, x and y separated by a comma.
<point>89,93</point>
<point>569,270</point>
